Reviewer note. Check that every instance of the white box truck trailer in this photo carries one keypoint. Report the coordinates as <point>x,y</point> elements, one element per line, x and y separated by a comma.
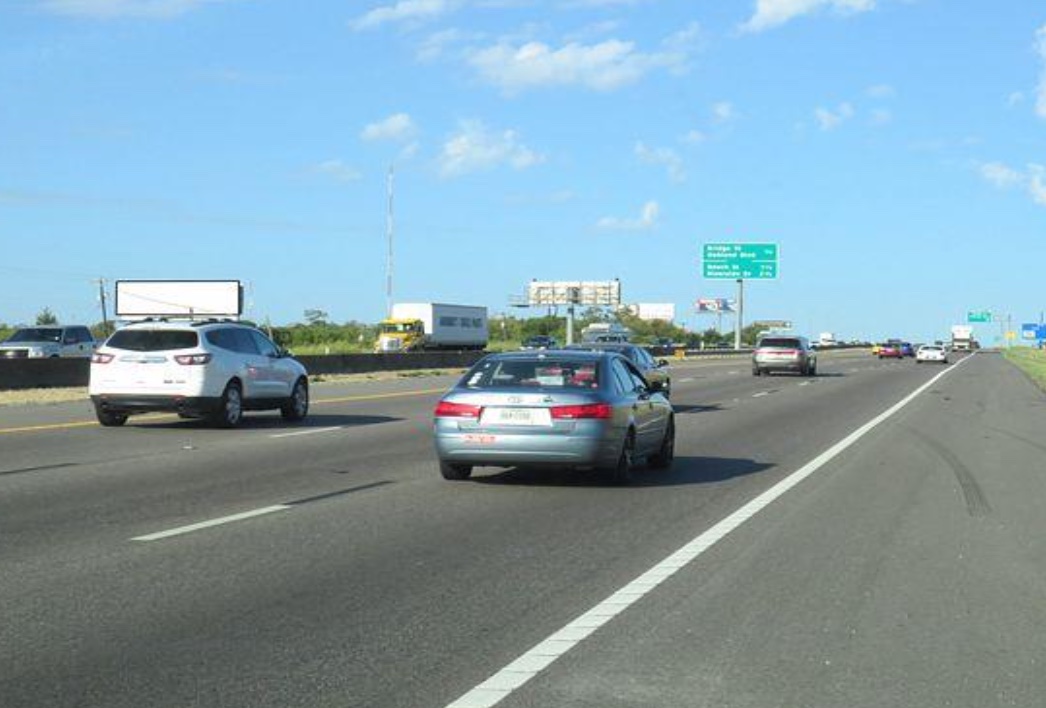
<point>415,326</point>
<point>962,337</point>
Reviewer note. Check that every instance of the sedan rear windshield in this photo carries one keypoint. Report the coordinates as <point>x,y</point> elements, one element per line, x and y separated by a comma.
<point>538,373</point>
<point>153,340</point>
<point>780,342</point>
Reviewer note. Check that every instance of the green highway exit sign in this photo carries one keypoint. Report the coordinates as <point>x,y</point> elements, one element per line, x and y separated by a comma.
<point>979,316</point>
<point>739,261</point>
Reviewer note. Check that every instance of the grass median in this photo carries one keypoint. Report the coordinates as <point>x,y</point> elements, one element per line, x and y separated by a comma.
<point>1030,361</point>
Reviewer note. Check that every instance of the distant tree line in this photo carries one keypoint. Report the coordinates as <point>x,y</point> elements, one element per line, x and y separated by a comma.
<point>317,332</point>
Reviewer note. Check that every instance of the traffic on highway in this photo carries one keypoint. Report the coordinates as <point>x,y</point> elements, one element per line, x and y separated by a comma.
<point>812,527</point>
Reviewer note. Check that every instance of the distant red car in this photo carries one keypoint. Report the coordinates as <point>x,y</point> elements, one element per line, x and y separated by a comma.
<point>891,350</point>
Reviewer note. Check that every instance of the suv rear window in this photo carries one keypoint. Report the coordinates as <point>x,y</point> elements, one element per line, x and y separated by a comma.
<point>786,342</point>
<point>152,340</point>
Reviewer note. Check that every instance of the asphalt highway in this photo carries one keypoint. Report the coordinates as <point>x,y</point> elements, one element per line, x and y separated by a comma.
<point>868,537</point>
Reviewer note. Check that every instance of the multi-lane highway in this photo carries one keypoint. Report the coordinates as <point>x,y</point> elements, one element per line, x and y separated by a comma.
<point>870,537</point>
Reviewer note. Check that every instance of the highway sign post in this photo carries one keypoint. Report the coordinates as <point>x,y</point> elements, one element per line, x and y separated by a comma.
<point>740,262</point>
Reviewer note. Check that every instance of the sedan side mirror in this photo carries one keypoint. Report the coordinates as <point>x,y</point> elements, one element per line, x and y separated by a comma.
<point>661,363</point>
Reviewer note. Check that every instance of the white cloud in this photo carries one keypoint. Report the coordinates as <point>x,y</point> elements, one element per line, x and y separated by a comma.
<point>1040,94</point>
<point>601,3</point>
<point>1002,176</point>
<point>881,116</point>
<point>439,43</point>
<point>665,157</point>
<point>476,148</point>
<point>723,112</point>
<point>397,127</point>
<point>693,137</point>
<point>881,91</point>
<point>1032,179</point>
<point>404,10</point>
<point>1037,183</point>
<point>773,13</point>
<point>336,170</point>
<point>646,220</point>
<point>113,9</point>
<point>830,120</point>
<point>1015,98</point>
<point>603,66</point>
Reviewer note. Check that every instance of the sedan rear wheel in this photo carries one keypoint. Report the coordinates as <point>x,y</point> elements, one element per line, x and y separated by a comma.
<point>667,452</point>
<point>454,472</point>
<point>621,473</point>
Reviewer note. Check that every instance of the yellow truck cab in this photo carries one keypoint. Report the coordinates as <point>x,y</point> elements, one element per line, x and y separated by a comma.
<point>400,335</point>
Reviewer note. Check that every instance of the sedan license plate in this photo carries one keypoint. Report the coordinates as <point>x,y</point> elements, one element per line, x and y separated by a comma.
<point>517,416</point>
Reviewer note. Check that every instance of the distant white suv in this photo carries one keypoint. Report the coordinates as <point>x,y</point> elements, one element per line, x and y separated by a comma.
<point>208,369</point>
<point>48,342</point>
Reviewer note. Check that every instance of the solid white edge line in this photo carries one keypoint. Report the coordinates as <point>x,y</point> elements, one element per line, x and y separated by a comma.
<point>213,522</point>
<point>532,662</point>
<point>311,431</point>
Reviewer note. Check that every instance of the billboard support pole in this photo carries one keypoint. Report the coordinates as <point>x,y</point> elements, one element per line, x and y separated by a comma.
<point>740,317</point>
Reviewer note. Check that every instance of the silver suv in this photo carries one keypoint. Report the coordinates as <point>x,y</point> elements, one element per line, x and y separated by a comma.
<point>48,342</point>
<point>780,352</point>
<point>211,369</point>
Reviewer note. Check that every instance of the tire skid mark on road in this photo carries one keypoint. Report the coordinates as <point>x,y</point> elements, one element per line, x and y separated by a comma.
<point>40,468</point>
<point>977,504</point>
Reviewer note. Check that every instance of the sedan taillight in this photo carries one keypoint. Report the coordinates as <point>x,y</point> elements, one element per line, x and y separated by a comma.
<point>589,411</point>
<point>192,359</point>
<point>98,358</point>
<point>449,409</point>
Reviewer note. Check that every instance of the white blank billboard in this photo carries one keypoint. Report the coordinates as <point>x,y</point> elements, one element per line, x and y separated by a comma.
<point>178,298</point>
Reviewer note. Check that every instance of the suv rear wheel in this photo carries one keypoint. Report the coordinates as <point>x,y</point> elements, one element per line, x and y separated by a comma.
<point>297,406</point>
<point>230,412</point>
<point>110,419</point>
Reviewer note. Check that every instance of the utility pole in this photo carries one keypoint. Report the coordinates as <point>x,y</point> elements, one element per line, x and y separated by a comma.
<point>388,234</point>
<point>101,299</point>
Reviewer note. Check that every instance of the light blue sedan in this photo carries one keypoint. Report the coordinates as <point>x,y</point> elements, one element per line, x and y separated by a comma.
<point>574,409</point>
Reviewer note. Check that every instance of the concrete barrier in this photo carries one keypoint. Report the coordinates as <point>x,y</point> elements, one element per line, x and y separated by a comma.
<point>43,373</point>
<point>18,374</point>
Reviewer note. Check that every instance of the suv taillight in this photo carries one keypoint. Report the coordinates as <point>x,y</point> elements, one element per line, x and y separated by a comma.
<point>448,409</point>
<point>192,359</point>
<point>98,358</point>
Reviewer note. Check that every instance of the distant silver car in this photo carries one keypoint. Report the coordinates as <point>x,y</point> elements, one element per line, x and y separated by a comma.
<point>577,409</point>
<point>784,353</point>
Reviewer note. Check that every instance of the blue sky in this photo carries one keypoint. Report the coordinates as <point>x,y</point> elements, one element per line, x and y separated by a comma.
<point>895,149</point>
